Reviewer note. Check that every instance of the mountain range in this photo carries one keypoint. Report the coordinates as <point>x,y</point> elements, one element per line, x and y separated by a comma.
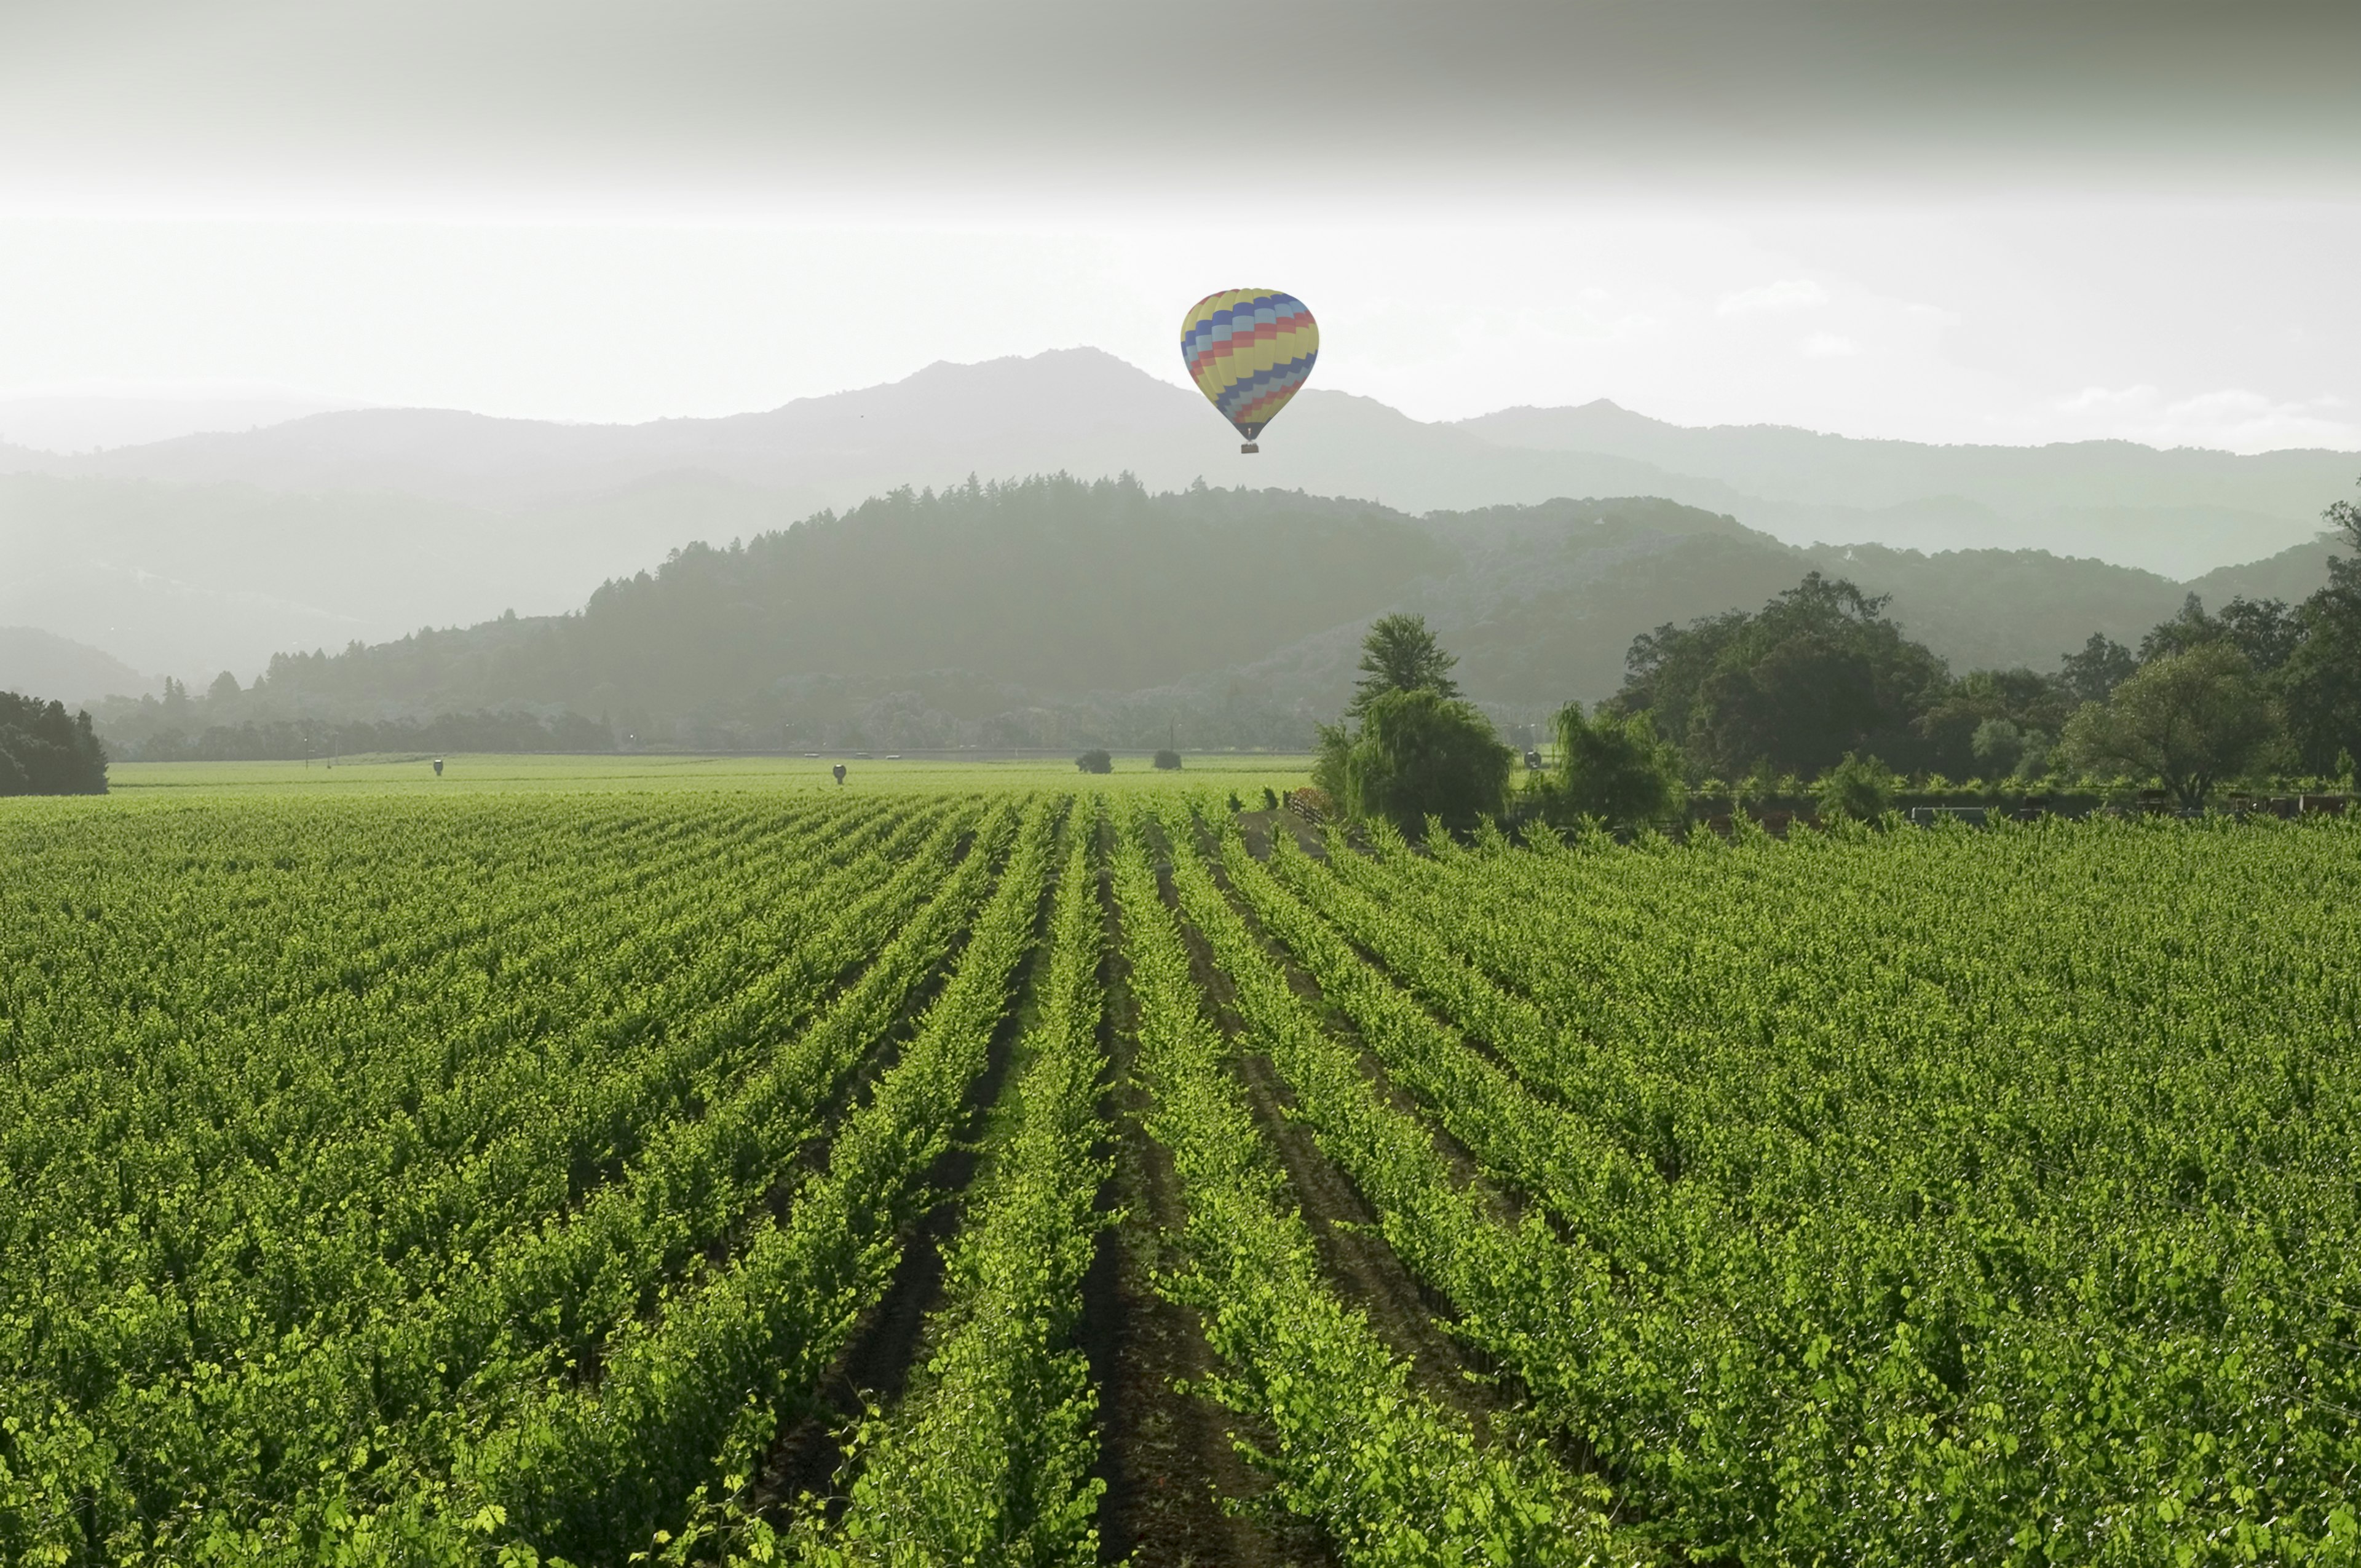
<point>216,551</point>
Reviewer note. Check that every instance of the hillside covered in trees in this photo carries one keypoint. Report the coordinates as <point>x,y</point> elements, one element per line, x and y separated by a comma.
<point>1052,612</point>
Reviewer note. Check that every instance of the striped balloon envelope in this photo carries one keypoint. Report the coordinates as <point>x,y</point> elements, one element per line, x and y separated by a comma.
<point>1248,350</point>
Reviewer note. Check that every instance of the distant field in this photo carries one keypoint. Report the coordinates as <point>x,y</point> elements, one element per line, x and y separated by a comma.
<point>1245,772</point>
<point>549,1165</point>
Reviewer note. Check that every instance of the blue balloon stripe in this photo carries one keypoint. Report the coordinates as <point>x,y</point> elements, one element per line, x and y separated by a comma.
<point>1241,393</point>
<point>1225,324</point>
<point>1298,366</point>
<point>1232,407</point>
<point>1237,396</point>
<point>1216,326</point>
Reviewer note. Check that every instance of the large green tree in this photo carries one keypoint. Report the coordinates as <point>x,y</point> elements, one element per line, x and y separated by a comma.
<point>2190,720</point>
<point>1418,751</point>
<point>1990,722</point>
<point>1818,671</point>
<point>2092,674</point>
<point>44,750</point>
<point>2262,630</point>
<point>2320,684</point>
<point>1399,654</point>
<point>1418,755</point>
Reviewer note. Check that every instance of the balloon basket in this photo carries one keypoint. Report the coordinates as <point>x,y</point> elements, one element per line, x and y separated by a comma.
<point>1250,446</point>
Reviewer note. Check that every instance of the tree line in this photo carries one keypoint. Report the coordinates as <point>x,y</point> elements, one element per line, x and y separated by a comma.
<point>43,750</point>
<point>287,739</point>
<point>1820,692</point>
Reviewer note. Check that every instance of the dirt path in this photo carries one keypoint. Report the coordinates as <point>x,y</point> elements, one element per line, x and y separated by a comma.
<point>1258,828</point>
<point>875,1365</point>
<point>1363,1268</point>
<point>1168,1459</point>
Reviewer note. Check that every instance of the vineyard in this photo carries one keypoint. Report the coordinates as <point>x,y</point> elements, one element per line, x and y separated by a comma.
<point>1034,1177</point>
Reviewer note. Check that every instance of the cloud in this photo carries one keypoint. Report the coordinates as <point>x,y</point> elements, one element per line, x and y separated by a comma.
<point>1788,294</point>
<point>1828,345</point>
<point>2230,419</point>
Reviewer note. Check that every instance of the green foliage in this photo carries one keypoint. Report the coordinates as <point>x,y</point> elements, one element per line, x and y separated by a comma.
<point>1166,760</point>
<point>1846,1335</point>
<point>43,752</point>
<point>2004,750</point>
<point>638,1032</point>
<point>2092,674</point>
<point>1390,1476</point>
<point>1055,586</point>
<point>2320,684</point>
<point>1399,654</point>
<point>1095,761</point>
<point>1860,788</point>
<point>1418,755</point>
<point>1613,770</point>
<point>494,1180</point>
<point>1816,672</point>
<point>2190,720</point>
<point>2031,707</point>
<point>988,1459</point>
<point>2263,631</point>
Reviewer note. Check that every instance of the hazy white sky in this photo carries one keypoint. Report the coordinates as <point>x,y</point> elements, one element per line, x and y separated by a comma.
<point>1990,222</point>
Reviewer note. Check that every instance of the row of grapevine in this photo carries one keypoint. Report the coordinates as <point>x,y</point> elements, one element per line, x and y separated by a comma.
<point>1389,1476</point>
<point>988,1459</point>
<point>495,1182</point>
<point>688,1401</point>
<point>166,1283</point>
<point>364,1389</point>
<point>1993,1223</point>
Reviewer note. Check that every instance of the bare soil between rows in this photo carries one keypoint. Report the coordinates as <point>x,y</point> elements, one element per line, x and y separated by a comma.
<point>1166,1457</point>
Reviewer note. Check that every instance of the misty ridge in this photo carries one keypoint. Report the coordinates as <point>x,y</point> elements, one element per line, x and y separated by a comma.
<point>834,571</point>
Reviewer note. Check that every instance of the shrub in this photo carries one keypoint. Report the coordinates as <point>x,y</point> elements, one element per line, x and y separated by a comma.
<point>1095,761</point>
<point>1168,760</point>
<point>1419,754</point>
<point>1615,770</point>
<point>1858,787</point>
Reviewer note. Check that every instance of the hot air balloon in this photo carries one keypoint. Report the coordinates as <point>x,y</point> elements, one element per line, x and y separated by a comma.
<point>1248,350</point>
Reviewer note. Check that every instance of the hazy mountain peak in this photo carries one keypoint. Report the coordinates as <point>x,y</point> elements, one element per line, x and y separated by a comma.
<point>43,664</point>
<point>84,421</point>
<point>368,522</point>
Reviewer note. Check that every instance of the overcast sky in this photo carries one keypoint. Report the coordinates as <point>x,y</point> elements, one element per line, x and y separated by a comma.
<point>1954,222</point>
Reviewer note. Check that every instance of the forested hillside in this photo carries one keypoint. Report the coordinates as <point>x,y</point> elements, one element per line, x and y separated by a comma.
<point>1058,586</point>
<point>1052,612</point>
